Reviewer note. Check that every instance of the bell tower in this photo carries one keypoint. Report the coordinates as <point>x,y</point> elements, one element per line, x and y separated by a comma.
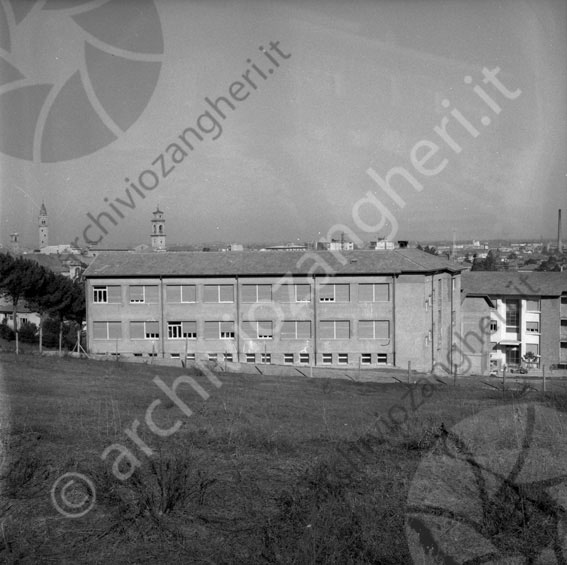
<point>42,226</point>
<point>158,230</point>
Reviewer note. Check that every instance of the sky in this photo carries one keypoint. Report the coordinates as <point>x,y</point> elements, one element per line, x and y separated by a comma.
<point>365,123</point>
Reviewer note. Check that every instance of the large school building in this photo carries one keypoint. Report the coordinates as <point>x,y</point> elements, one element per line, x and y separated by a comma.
<point>362,308</point>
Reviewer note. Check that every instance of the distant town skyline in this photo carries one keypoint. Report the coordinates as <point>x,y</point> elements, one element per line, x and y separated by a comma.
<point>270,121</point>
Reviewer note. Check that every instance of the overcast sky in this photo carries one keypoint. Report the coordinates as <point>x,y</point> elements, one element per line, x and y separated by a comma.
<point>356,92</point>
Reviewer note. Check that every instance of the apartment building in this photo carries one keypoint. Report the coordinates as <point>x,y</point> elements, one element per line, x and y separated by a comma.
<point>510,317</point>
<point>362,308</point>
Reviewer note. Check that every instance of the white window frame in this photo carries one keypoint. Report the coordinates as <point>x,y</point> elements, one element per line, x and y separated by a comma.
<point>218,289</point>
<point>342,358</point>
<point>177,328</point>
<point>181,299</point>
<point>143,287</point>
<point>256,292</point>
<point>366,358</point>
<point>100,294</point>
<point>147,335</point>
<point>334,297</point>
<point>326,358</point>
<point>107,324</point>
<point>289,358</point>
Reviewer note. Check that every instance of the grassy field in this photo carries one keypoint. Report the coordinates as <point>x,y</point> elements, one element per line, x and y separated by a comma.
<point>266,470</point>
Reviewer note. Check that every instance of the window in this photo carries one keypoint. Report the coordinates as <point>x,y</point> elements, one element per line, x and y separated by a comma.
<point>533,306</point>
<point>177,293</point>
<point>564,300</point>
<point>382,358</point>
<point>144,330</point>
<point>343,358</point>
<point>334,293</point>
<point>373,329</point>
<point>374,292</point>
<point>304,358</point>
<point>174,355</point>
<point>213,356</point>
<point>532,327</point>
<point>512,315</point>
<point>107,294</point>
<point>219,330</point>
<point>257,330</point>
<point>299,329</point>
<point>293,293</point>
<point>266,357</point>
<point>532,348</point>
<point>107,330</point>
<point>493,326</point>
<point>218,293</point>
<point>513,355</point>
<point>228,357</point>
<point>143,294</point>
<point>256,293</point>
<point>288,358</point>
<point>366,358</point>
<point>250,358</point>
<point>334,329</point>
<point>327,358</point>
<point>190,357</point>
<point>182,330</point>
<point>138,354</point>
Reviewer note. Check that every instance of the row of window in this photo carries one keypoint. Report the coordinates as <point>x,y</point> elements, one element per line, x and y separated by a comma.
<point>250,293</point>
<point>288,329</point>
<point>288,358</point>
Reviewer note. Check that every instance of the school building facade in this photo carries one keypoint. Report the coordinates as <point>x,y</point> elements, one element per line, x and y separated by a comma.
<point>360,308</point>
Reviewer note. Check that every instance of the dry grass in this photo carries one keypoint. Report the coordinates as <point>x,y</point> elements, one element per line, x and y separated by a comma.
<point>253,476</point>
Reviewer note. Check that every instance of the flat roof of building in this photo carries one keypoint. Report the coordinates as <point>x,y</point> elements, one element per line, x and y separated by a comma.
<point>259,263</point>
<point>513,283</point>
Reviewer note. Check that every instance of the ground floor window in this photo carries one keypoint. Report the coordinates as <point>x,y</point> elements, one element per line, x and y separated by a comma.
<point>288,358</point>
<point>228,357</point>
<point>250,358</point>
<point>343,358</point>
<point>266,357</point>
<point>304,358</point>
<point>327,358</point>
<point>366,358</point>
<point>382,358</point>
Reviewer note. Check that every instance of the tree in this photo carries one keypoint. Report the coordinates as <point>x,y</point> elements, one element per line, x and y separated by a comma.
<point>18,276</point>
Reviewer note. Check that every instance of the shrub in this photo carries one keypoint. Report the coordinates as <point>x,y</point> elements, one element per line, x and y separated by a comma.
<point>6,332</point>
<point>28,333</point>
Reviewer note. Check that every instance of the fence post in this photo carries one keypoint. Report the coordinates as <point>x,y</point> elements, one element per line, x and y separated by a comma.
<point>543,369</point>
<point>409,372</point>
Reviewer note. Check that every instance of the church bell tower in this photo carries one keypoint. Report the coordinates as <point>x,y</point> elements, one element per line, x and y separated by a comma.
<point>158,231</point>
<point>42,226</point>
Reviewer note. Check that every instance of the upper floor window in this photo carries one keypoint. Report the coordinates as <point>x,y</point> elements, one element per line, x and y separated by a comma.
<point>295,329</point>
<point>512,315</point>
<point>177,293</point>
<point>143,294</point>
<point>219,293</point>
<point>532,327</point>
<point>107,330</point>
<point>182,330</point>
<point>334,293</point>
<point>293,293</point>
<point>373,329</point>
<point>107,294</point>
<point>219,330</point>
<point>144,330</point>
<point>379,292</point>
<point>256,293</point>
<point>334,329</point>
<point>262,329</point>
<point>533,306</point>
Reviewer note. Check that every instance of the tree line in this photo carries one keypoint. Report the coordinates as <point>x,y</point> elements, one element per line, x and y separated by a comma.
<point>56,298</point>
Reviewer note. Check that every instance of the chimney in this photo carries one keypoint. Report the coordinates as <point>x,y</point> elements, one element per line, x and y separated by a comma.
<point>559,244</point>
